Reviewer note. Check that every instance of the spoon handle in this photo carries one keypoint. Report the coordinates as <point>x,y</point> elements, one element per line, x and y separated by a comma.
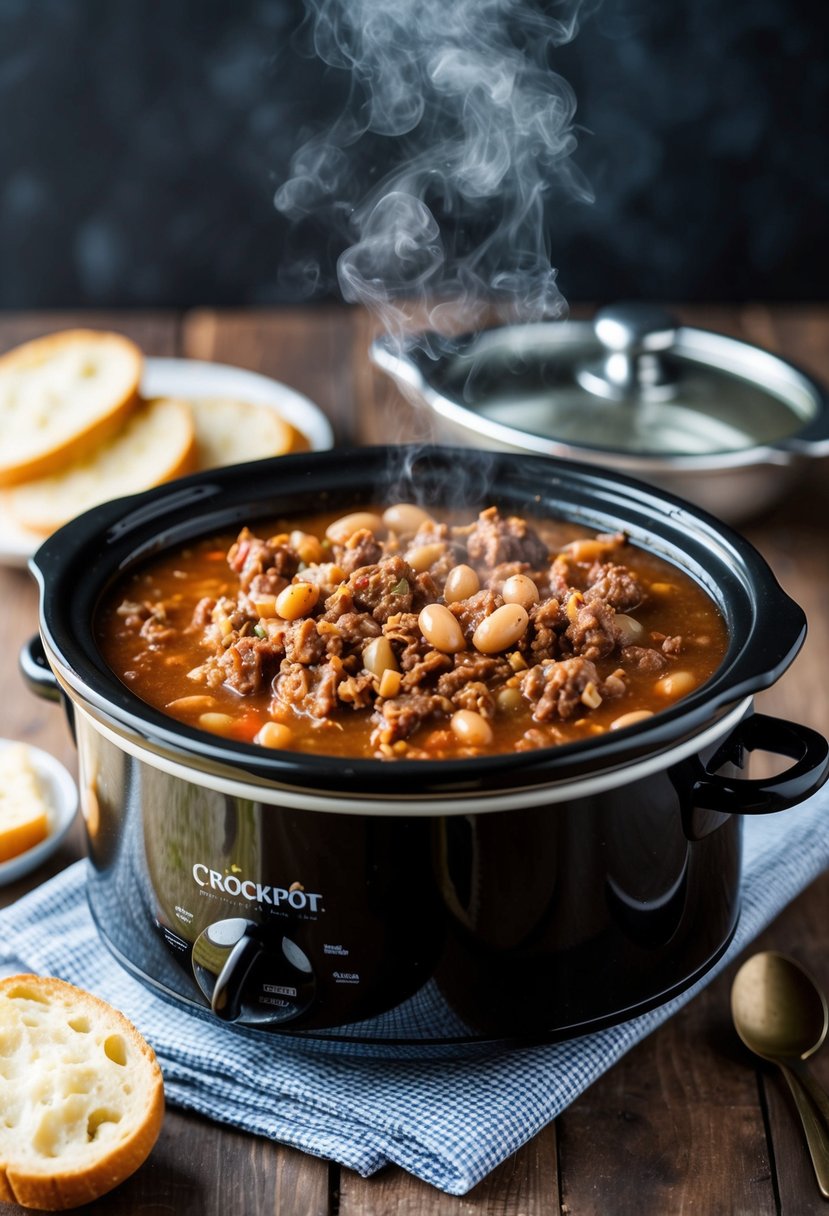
<point>817,1135</point>
<point>818,1095</point>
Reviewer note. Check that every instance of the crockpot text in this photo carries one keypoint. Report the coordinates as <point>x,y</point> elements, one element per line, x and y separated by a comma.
<point>256,892</point>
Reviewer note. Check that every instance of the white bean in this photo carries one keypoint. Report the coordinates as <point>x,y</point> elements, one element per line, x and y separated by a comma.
<point>220,723</point>
<point>520,589</point>
<point>340,530</point>
<point>405,517</point>
<point>471,728</point>
<point>423,556</point>
<point>629,630</point>
<point>441,629</point>
<point>296,600</point>
<point>461,582</point>
<point>500,629</point>
<point>630,719</point>
<point>677,684</point>
<point>195,703</point>
<point>274,734</point>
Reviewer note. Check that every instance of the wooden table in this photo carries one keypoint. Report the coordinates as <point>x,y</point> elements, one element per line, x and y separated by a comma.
<point>684,1123</point>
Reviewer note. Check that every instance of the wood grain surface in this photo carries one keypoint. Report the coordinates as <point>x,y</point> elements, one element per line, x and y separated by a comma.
<point>686,1122</point>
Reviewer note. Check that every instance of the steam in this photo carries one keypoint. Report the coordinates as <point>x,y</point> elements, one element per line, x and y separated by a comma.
<point>480,134</point>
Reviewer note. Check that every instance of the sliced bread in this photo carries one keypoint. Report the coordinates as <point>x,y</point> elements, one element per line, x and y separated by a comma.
<point>61,394</point>
<point>229,431</point>
<point>156,444</point>
<point>81,1093</point>
<point>24,812</point>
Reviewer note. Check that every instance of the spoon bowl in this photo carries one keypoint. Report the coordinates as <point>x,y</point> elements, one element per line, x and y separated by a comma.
<point>781,1015</point>
<point>778,1009</point>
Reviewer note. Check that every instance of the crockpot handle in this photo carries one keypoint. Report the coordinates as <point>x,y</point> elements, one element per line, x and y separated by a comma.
<point>724,795</point>
<point>35,669</point>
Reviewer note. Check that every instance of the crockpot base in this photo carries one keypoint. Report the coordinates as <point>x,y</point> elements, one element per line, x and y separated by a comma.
<point>538,922</point>
<point>349,1043</point>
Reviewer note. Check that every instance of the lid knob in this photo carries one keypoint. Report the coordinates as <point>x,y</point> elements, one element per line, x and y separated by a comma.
<point>633,335</point>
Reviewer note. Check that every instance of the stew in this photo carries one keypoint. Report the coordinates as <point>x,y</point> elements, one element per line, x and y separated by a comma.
<point>399,633</point>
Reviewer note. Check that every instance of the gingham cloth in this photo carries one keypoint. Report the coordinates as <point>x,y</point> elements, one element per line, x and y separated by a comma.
<point>448,1121</point>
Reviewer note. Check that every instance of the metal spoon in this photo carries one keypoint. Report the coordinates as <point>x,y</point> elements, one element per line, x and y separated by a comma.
<point>781,1015</point>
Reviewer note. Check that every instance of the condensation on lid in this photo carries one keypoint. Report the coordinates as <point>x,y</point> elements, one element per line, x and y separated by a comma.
<point>632,382</point>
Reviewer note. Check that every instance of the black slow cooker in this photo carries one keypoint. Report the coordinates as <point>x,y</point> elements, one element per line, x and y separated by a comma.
<point>532,895</point>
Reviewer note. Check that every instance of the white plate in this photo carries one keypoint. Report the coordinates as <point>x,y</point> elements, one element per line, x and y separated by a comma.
<point>195,378</point>
<point>61,793</point>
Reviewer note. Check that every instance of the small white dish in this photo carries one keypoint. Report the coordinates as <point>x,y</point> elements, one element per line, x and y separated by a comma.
<point>195,378</point>
<point>61,793</point>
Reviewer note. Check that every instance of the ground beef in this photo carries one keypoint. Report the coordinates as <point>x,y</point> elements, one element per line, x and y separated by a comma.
<point>310,691</point>
<point>541,641</point>
<point>556,689</point>
<point>203,612</point>
<point>406,639</point>
<point>472,611</point>
<point>643,658</point>
<point>430,532</point>
<point>614,685</point>
<point>322,701</point>
<point>383,589</point>
<point>425,667</point>
<point>398,717</point>
<point>352,629</point>
<point>250,557</point>
<point>499,574</point>
<point>475,697</point>
<point>592,633</point>
<point>560,577</point>
<point>469,666</point>
<point>156,627</point>
<point>616,585</point>
<point>290,687</point>
<point>340,603</point>
<point>494,540</point>
<point>228,625</point>
<point>357,690</point>
<point>249,665</point>
<point>427,589</point>
<point>537,736</point>
<point>361,549</point>
<point>304,643</point>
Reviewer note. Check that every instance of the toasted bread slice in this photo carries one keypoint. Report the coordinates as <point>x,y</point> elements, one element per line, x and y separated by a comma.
<point>81,1094</point>
<point>229,431</point>
<point>156,444</point>
<point>61,394</point>
<point>24,812</point>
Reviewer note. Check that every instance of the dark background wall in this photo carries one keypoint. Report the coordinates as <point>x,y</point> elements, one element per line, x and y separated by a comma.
<point>141,144</point>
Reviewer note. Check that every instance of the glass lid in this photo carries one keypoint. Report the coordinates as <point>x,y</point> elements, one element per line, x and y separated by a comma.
<point>631,381</point>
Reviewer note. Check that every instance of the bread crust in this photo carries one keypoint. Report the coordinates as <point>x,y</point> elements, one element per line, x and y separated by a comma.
<point>55,1183</point>
<point>230,430</point>
<point>44,504</point>
<point>90,431</point>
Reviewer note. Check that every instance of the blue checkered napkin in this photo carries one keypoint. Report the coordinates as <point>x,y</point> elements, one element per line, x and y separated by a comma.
<point>448,1121</point>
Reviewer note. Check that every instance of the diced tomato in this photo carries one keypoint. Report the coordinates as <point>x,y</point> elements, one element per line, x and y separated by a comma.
<point>247,726</point>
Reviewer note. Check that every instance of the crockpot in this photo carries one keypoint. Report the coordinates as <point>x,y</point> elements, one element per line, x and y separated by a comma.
<point>724,423</point>
<point>529,895</point>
